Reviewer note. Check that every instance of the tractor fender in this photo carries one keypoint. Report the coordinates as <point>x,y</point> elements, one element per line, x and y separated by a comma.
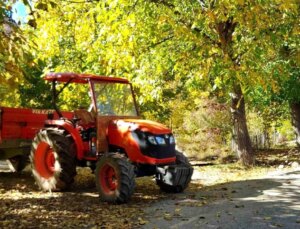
<point>74,133</point>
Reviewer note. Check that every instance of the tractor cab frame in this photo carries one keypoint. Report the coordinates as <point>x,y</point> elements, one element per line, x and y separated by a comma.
<point>100,112</point>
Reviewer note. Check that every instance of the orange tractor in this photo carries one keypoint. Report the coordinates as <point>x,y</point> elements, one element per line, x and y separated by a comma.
<point>110,138</point>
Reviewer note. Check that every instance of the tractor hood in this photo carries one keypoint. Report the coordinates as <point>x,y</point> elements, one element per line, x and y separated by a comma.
<point>144,141</point>
<point>143,125</point>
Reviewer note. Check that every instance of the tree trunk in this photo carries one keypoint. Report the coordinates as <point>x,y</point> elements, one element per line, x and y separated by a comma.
<point>295,113</point>
<point>241,139</point>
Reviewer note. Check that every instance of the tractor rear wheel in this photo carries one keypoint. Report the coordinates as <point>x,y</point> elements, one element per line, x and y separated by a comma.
<point>181,160</point>
<point>53,159</point>
<point>115,178</point>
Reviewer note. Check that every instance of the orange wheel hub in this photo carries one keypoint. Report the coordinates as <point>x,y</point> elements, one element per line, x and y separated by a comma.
<point>44,160</point>
<point>108,178</point>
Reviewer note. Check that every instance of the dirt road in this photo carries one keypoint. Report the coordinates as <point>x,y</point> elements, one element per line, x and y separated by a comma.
<point>269,202</point>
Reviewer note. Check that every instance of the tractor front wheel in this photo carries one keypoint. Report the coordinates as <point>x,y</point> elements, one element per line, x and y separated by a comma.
<point>53,159</point>
<point>115,178</point>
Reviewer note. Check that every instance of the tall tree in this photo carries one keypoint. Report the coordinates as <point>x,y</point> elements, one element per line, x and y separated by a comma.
<point>290,90</point>
<point>229,41</point>
<point>225,44</point>
<point>290,56</point>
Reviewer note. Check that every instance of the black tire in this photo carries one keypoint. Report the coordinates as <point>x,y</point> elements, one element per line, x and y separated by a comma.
<point>181,160</point>
<point>18,163</point>
<point>115,178</point>
<point>53,159</point>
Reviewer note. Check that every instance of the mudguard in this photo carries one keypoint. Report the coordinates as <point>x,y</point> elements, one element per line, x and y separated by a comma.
<point>74,133</point>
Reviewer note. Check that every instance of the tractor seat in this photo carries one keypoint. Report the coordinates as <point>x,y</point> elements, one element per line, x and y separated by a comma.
<point>86,117</point>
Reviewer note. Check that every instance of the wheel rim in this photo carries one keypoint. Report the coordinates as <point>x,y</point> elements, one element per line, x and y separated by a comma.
<point>44,160</point>
<point>108,179</point>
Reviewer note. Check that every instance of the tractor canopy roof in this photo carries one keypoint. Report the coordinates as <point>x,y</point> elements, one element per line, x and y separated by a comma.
<point>82,78</point>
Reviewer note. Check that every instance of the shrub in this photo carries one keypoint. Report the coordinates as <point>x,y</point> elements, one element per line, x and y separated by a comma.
<point>203,131</point>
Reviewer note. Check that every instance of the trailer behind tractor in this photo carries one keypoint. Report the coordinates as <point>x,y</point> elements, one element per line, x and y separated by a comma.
<point>18,127</point>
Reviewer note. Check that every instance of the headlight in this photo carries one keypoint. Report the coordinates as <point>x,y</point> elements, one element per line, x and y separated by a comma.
<point>151,139</point>
<point>160,140</point>
<point>156,140</point>
<point>172,139</point>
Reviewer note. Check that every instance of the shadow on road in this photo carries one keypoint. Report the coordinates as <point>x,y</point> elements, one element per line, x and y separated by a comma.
<point>272,202</point>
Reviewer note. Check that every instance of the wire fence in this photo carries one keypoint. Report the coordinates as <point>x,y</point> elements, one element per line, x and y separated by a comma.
<point>267,141</point>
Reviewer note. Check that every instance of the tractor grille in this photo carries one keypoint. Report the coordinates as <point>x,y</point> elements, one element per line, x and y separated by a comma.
<point>158,151</point>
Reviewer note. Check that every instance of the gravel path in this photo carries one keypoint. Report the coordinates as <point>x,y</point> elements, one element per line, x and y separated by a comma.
<point>270,202</point>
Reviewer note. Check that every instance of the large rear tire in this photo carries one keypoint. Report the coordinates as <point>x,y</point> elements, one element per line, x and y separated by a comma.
<point>115,178</point>
<point>181,160</point>
<point>53,159</point>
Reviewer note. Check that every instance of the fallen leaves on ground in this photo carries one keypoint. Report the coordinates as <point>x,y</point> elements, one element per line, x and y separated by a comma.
<point>22,205</point>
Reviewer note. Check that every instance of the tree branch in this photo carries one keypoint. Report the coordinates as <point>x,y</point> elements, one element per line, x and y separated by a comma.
<point>163,2</point>
<point>205,5</point>
<point>160,42</point>
<point>84,1</point>
<point>133,7</point>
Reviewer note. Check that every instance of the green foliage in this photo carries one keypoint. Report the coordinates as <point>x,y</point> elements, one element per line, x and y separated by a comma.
<point>13,46</point>
<point>154,42</point>
<point>15,56</point>
<point>204,129</point>
<point>178,54</point>
<point>10,97</point>
<point>290,90</point>
<point>34,91</point>
<point>74,97</point>
<point>285,129</point>
<point>197,40</point>
<point>256,124</point>
<point>269,107</point>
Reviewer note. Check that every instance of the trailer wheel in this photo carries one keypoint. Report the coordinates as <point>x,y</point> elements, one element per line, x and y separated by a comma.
<point>182,160</point>
<point>53,160</point>
<point>115,178</point>
<point>18,163</point>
